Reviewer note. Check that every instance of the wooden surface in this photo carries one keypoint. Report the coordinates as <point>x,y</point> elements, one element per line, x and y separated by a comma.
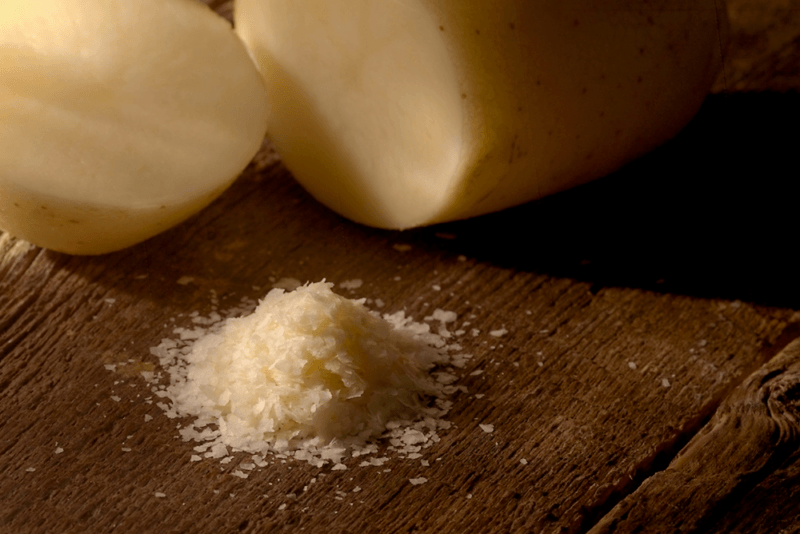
<point>646,383</point>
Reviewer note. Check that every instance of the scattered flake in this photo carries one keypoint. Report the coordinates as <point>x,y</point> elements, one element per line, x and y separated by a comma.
<point>523,461</point>
<point>477,372</point>
<point>632,365</point>
<point>702,342</point>
<point>379,303</point>
<point>187,333</point>
<point>115,398</point>
<point>59,450</point>
<point>475,332</point>
<point>185,280</point>
<point>351,284</point>
<point>445,378</point>
<point>436,287</point>
<point>287,284</point>
<point>110,367</point>
<point>469,495</point>
<point>126,449</point>
<point>147,417</point>
<point>160,495</point>
<point>487,428</point>
<point>218,450</point>
<point>282,506</point>
<point>375,462</point>
<point>209,366</point>
<point>110,301</point>
<point>30,469</point>
<point>195,458</point>
<point>140,277</point>
<point>356,489</point>
<point>499,332</point>
<point>418,481</point>
<point>460,360</point>
<point>413,437</point>
<point>239,474</point>
<point>665,383</point>
<point>401,247</point>
<point>442,316</point>
<point>480,395</point>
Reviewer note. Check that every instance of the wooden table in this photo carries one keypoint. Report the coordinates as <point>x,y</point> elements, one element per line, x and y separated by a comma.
<point>647,382</point>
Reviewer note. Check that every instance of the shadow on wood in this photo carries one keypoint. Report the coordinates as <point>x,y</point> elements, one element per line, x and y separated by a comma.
<point>713,213</point>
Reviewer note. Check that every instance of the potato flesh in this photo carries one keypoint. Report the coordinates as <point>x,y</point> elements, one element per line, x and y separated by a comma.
<point>531,97</point>
<point>365,103</point>
<point>123,116</point>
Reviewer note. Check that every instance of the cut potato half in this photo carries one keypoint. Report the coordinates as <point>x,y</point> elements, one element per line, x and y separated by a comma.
<point>401,113</point>
<point>119,119</point>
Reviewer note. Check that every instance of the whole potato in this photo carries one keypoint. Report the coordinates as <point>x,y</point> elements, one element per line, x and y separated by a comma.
<point>411,112</point>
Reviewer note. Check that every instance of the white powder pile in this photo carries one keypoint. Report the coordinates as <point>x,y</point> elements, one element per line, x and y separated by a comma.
<point>311,375</point>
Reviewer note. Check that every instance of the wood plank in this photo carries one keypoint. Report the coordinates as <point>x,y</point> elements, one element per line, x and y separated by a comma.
<point>755,431</point>
<point>589,426</point>
<point>634,306</point>
<point>762,55</point>
<point>771,506</point>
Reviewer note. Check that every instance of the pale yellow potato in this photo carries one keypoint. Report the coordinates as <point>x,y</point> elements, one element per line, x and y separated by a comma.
<point>401,113</point>
<point>119,119</point>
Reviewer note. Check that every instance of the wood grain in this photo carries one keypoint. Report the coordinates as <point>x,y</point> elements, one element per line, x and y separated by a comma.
<point>764,47</point>
<point>636,308</point>
<point>755,431</point>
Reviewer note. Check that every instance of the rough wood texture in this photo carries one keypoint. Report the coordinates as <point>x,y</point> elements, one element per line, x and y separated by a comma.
<point>754,431</point>
<point>635,307</point>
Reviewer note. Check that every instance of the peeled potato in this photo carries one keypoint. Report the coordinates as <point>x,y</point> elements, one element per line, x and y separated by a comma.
<point>119,119</point>
<point>411,112</point>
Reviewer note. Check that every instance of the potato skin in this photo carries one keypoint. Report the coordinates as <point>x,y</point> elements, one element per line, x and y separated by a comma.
<point>550,94</point>
<point>563,92</point>
<point>119,119</point>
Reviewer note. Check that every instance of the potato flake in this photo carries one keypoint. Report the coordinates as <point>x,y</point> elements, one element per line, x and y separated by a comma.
<point>309,375</point>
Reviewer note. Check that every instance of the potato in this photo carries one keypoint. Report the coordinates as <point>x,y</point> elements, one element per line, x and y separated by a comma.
<point>411,112</point>
<point>119,119</point>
